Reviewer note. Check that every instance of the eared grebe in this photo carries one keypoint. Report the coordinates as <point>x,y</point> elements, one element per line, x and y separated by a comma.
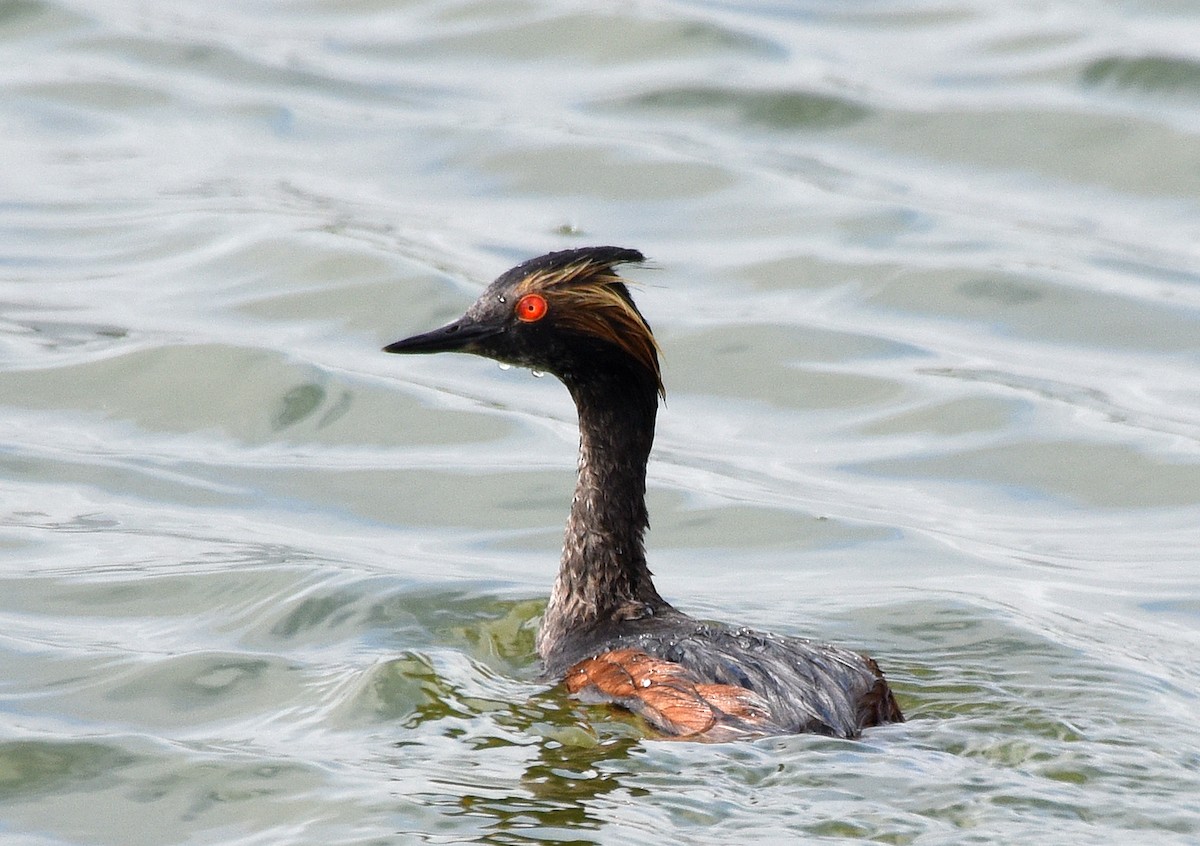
<point>606,631</point>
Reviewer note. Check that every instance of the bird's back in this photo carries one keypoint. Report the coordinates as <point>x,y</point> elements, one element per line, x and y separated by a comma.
<point>692,678</point>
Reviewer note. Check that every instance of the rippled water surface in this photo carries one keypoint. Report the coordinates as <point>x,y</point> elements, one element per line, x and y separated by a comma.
<point>927,280</point>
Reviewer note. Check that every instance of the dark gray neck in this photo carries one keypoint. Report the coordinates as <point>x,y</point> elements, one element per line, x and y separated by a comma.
<point>603,578</point>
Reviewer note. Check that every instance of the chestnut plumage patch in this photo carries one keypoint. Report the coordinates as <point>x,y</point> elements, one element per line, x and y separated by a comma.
<point>669,697</point>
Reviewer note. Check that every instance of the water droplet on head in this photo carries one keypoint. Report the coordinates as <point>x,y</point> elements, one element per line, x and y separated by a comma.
<point>503,366</point>
<point>537,374</point>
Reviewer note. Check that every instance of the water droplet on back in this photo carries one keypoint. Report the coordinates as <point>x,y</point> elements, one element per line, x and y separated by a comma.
<point>504,366</point>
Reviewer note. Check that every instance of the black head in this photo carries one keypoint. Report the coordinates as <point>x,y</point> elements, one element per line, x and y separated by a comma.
<point>567,313</point>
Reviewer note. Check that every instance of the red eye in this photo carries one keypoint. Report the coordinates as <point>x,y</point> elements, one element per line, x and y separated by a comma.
<point>531,308</point>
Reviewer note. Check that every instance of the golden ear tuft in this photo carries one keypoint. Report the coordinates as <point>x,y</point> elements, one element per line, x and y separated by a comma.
<point>589,298</point>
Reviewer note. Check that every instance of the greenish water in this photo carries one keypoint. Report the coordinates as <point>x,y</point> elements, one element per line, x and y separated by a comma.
<point>925,278</point>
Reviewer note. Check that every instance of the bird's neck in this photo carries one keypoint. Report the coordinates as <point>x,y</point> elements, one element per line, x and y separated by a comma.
<point>603,578</point>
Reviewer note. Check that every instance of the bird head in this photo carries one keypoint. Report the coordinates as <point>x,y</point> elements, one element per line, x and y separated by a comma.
<point>566,313</point>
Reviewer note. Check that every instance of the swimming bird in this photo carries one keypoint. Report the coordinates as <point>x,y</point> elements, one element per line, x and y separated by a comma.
<point>606,632</point>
